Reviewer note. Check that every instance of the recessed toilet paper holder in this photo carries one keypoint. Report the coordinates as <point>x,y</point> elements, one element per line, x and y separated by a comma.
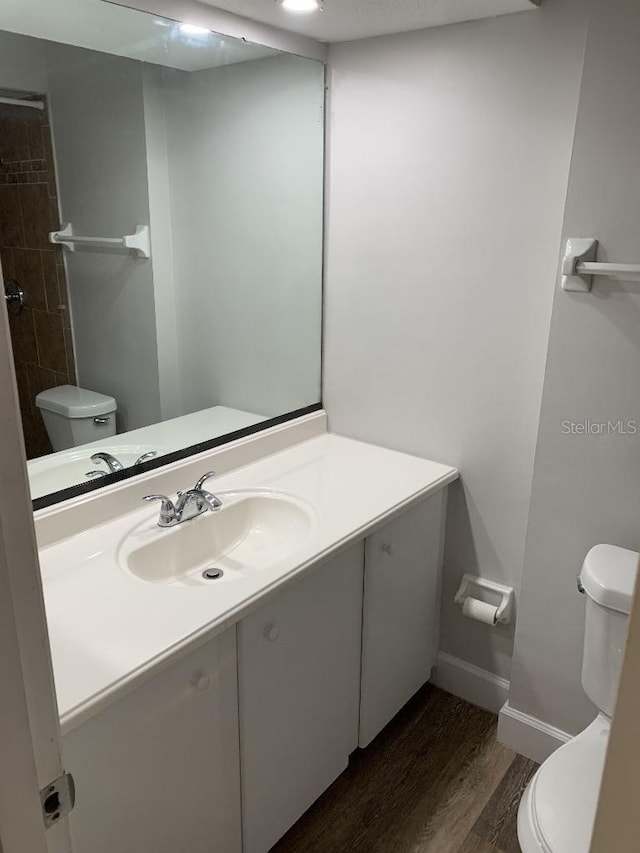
<point>478,590</point>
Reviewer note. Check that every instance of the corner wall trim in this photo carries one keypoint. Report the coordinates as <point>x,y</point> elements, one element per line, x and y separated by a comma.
<point>470,682</point>
<point>528,735</point>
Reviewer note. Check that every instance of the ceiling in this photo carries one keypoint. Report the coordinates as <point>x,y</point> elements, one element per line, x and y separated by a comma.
<point>124,32</point>
<point>344,20</point>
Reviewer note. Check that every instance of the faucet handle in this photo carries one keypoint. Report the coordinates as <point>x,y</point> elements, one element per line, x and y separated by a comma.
<point>198,486</point>
<point>168,513</point>
<point>201,496</point>
<point>145,457</point>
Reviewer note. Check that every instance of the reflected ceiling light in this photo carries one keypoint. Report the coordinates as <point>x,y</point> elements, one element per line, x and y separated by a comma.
<point>194,30</point>
<point>302,5</point>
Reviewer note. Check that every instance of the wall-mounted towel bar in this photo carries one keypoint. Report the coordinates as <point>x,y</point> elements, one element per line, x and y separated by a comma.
<point>23,102</point>
<point>580,264</point>
<point>138,243</point>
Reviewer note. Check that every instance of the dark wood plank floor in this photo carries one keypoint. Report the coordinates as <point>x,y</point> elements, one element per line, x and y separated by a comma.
<point>434,781</point>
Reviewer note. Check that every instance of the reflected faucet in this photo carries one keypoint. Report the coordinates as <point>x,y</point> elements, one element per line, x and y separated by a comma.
<point>145,457</point>
<point>188,505</point>
<point>114,464</point>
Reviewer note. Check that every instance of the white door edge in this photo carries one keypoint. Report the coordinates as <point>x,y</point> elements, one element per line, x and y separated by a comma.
<point>29,722</point>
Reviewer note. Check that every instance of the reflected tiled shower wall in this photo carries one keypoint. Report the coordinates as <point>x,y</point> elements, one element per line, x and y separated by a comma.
<point>41,334</point>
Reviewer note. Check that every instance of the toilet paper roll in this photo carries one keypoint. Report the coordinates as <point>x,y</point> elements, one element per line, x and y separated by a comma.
<point>480,611</point>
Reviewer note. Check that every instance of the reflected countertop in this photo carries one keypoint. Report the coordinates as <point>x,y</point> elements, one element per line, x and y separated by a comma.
<point>66,468</point>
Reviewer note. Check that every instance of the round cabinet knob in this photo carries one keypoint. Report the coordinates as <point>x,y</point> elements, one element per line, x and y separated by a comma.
<point>271,633</point>
<point>201,681</point>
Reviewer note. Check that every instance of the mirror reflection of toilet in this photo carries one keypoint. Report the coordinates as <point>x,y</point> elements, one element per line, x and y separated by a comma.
<point>74,416</point>
<point>558,809</point>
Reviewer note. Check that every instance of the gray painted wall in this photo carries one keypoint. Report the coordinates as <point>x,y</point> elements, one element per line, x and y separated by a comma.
<point>162,242</point>
<point>98,126</point>
<point>22,63</point>
<point>586,488</point>
<point>245,157</point>
<point>448,165</point>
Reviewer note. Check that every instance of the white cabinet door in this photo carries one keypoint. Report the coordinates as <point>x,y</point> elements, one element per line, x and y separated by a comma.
<point>400,616</point>
<point>158,771</point>
<point>299,674</point>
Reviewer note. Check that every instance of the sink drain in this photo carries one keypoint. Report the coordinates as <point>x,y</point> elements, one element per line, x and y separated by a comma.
<point>212,574</point>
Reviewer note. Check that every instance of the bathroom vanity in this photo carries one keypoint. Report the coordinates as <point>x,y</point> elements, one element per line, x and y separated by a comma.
<point>209,715</point>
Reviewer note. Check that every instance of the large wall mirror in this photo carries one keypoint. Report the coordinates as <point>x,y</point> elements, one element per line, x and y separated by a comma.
<point>160,237</point>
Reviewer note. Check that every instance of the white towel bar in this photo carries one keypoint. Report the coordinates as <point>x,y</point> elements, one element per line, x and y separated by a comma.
<point>23,102</point>
<point>138,242</point>
<point>608,269</point>
<point>580,263</point>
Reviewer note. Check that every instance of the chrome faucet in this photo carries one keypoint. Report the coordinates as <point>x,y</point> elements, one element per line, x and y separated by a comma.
<point>114,464</point>
<point>188,505</point>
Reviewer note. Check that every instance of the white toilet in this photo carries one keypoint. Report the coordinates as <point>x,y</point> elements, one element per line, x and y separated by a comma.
<point>558,809</point>
<point>75,416</point>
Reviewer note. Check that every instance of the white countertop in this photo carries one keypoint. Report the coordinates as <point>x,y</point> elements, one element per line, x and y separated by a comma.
<point>108,628</point>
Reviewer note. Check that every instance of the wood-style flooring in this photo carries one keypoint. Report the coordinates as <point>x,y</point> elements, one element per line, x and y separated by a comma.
<point>434,781</point>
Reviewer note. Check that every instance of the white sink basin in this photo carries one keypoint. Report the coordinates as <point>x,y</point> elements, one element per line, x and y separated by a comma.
<point>252,531</point>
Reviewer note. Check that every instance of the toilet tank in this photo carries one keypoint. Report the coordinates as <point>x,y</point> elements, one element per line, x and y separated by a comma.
<point>75,416</point>
<point>608,578</point>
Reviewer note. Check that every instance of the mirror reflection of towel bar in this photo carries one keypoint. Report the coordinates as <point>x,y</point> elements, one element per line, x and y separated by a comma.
<point>580,263</point>
<point>138,242</point>
<point>23,102</point>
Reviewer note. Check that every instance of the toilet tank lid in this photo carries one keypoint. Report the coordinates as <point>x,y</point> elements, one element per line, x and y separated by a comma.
<point>608,576</point>
<point>73,402</point>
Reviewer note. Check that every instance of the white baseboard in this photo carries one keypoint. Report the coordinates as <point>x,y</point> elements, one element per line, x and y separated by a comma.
<point>528,735</point>
<point>469,682</point>
<point>521,732</point>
